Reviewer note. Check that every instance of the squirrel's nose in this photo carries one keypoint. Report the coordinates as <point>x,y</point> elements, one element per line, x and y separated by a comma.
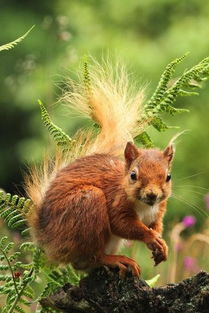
<point>151,196</point>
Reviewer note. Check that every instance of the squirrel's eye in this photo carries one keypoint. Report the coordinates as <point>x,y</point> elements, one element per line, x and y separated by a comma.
<point>133,175</point>
<point>168,177</point>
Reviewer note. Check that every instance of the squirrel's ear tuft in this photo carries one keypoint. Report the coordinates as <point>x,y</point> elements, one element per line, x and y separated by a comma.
<point>131,153</point>
<point>169,153</point>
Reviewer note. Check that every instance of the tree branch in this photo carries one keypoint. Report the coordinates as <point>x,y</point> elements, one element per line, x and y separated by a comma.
<point>104,292</point>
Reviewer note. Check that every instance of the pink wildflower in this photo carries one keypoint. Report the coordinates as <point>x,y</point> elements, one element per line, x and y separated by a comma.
<point>189,220</point>
<point>191,264</point>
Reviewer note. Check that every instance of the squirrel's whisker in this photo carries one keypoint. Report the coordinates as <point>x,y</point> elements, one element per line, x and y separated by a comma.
<point>196,174</point>
<point>202,194</point>
<point>192,186</point>
<point>196,208</point>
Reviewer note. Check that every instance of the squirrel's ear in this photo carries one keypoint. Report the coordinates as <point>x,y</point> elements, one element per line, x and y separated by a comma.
<point>131,153</point>
<point>169,153</point>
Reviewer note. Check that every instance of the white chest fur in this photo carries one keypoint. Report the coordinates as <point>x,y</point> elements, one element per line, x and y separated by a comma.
<point>146,213</point>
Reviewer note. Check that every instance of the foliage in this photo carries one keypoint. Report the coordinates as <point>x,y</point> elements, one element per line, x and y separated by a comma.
<point>160,102</point>
<point>62,140</point>
<point>161,33</point>
<point>86,78</point>
<point>14,209</point>
<point>164,96</point>
<point>145,44</point>
<point>17,278</point>
<point>11,44</point>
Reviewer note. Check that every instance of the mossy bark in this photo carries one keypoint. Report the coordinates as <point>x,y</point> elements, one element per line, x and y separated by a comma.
<point>103,291</point>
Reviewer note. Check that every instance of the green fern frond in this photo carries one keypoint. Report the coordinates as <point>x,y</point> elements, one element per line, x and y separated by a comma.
<point>158,124</point>
<point>20,203</point>
<point>185,93</point>
<point>16,282</point>
<point>144,139</point>
<point>14,209</point>
<point>17,287</point>
<point>28,246</point>
<point>163,83</point>
<point>199,72</point>
<point>12,44</point>
<point>49,289</point>
<point>57,277</point>
<point>26,232</point>
<point>71,275</point>
<point>164,96</point>
<point>61,139</point>
<point>38,261</point>
<point>19,309</point>
<point>87,81</point>
<point>5,278</point>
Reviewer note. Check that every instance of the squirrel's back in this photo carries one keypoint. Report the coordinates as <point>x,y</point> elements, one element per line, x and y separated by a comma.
<point>99,170</point>
<point>92,169</point>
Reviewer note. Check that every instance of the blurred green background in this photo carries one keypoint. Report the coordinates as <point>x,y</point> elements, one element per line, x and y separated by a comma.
<point>145,36</point>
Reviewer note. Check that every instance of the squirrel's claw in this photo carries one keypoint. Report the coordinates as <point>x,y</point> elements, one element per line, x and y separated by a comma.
<point>159,250</point>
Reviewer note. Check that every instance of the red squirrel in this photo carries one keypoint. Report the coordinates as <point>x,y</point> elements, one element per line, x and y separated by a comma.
<point>98,199</point>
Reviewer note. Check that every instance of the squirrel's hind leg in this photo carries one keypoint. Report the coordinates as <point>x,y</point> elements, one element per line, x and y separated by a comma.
<point>122,262</point>
<point>90,229</point>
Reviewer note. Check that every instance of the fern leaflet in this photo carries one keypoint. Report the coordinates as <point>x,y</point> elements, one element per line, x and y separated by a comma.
<point>11,44</point>
<point>14,209</point>
<point>16,281</point>
<point>164,96</point>
<point>61,139</point>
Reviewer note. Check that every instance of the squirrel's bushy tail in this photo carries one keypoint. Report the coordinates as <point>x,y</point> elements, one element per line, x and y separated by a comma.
<point>105,95</point>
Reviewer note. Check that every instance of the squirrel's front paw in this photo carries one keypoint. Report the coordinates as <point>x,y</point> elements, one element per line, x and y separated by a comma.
<point>158,247</point>
<point>161,254</point>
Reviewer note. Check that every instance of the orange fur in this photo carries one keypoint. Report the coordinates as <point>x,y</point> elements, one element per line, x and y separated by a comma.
<point>87,201</point>
<point>113,104</point>
<point>92,199</point>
